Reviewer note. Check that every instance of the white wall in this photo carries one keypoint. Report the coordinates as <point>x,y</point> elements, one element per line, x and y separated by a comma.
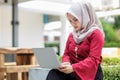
<point>5,26</point>
<point>111,52</point>
<point>30,28</point>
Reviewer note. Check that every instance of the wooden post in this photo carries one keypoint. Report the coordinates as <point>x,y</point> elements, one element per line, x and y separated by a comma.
<point>25,57</point>
<point>1,64</point>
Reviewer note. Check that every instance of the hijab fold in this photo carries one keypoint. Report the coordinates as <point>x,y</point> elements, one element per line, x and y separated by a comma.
<point>84,12</point>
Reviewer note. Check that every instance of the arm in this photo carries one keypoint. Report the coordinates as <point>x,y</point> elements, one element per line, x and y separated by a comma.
<point>66,66</point>
<point>87,68</point>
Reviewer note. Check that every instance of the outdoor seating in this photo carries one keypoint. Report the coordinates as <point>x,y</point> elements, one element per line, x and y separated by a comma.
<point>17,70</point>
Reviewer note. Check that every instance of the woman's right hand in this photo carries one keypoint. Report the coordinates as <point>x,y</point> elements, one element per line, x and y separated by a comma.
<point>66,67</point>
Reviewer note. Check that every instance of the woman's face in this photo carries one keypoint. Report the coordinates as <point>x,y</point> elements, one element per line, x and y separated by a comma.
<point>74,22</point>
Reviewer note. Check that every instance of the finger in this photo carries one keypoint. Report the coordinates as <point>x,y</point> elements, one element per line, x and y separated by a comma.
<point>63,66</point>
<point>65,63</point>
<point>63,70</point>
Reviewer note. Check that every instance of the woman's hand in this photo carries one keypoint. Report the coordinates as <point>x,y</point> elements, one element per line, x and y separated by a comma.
<point>66,67</point>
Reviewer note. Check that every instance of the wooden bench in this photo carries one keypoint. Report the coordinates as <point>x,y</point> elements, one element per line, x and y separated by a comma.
<point>15,72</point>
<point>25,59</point>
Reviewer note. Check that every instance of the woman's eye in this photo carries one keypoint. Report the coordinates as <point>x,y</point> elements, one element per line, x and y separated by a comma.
<point>75,20</point>
<point>70,21</point>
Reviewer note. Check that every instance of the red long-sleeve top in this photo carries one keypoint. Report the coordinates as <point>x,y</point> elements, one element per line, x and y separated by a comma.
<point>89,55</point>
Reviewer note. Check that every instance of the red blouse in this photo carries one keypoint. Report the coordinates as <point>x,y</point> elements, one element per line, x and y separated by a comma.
<point>89,55</point>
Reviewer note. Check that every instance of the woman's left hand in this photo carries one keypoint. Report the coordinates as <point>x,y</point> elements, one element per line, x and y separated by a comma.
<point>66,67</point>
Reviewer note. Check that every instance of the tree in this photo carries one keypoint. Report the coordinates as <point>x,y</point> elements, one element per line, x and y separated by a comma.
<point>117,22</point>
<point>111,39</point>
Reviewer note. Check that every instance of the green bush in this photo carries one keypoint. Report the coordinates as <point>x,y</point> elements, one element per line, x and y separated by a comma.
<point>111,72</point>
<point>112,44</point>
<point>111,68</point>
<point>110,61</point>
<point>60,58</point>
<point>117,22</point>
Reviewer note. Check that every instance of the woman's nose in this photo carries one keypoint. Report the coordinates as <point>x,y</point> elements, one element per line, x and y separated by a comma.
<point>74,24</point>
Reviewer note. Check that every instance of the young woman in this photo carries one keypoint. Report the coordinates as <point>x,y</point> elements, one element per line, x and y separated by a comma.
<point>82,55</point>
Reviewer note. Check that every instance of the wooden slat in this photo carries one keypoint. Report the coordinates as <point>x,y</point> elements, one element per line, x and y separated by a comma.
<point>33,60</point>
<point>19,76</point>
<point>7,50</point>
<point>16,51</point>
<point>2,57</point>
<point>13,69</point>
<point>12,76</point>
<point>25,59</point>
<point>25,76</point>
<point>24,51</point>
<point>1,76</point>
<point>10,63</point>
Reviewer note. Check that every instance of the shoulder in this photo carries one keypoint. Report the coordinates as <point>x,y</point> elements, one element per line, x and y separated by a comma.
<point>96,35</point>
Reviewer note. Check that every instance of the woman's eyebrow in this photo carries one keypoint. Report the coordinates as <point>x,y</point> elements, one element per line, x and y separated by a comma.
<point>72,18</point>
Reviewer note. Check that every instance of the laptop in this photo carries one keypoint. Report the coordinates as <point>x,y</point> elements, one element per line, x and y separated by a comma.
<point>46,57</point>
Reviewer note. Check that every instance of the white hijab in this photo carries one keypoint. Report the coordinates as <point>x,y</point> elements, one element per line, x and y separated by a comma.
<point>88,19</point>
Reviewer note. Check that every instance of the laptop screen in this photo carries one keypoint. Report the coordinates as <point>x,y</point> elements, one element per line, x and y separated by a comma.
<point>46,57</point>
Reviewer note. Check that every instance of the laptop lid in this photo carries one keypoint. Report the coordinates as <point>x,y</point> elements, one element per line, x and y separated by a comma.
<point>46,57</point>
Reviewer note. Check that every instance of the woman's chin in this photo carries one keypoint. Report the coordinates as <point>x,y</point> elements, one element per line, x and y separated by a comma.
<point>77,29</point>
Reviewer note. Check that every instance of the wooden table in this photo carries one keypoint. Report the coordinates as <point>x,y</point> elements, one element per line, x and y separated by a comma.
<point>25,59</point>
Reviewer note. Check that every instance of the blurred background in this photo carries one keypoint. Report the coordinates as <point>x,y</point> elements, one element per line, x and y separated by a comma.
<point>42,23</point>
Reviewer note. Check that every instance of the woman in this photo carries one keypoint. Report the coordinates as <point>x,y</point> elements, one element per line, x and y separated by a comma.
<point>82,55</point>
